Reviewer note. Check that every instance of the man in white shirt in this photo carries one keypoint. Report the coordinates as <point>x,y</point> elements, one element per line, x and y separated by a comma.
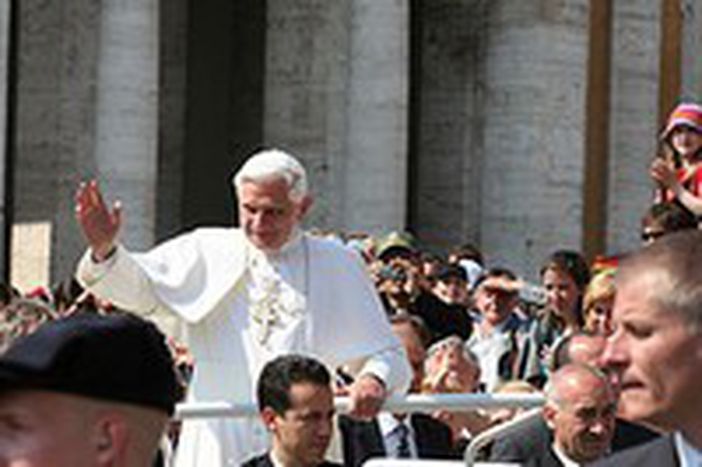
<point>656,348</point>
<point>246,296</point>
<point>496,333</point>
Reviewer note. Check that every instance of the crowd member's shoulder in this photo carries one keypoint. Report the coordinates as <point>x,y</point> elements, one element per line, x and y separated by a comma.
<point>628,435</point>
<point>529,440</point>
<point>659,453</point>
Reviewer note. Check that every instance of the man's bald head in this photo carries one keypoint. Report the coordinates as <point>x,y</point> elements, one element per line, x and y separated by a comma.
<point>580,409</point>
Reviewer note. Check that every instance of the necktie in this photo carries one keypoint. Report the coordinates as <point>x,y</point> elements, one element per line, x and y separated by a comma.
<point>403,448</point>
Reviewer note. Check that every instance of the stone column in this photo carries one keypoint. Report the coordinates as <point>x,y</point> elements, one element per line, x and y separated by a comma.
<point>127,111</point>
<point>375,166</point>
<point>534,88</point>
<point>54,135</point>
<point>691,44</point>
<point>335,95</point>
<point>5,33</point>
<point>446,155</point>
<point>633,116</point>
<point>307,46</point>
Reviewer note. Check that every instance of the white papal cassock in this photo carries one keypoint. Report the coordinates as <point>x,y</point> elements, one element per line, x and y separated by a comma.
<point>241,308</point>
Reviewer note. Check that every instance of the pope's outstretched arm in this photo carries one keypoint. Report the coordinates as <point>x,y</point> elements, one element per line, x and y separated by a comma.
<point>100,226</point>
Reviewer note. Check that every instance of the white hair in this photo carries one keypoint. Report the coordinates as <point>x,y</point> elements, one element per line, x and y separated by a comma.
<point>448,343</point>
<point>271,164</point>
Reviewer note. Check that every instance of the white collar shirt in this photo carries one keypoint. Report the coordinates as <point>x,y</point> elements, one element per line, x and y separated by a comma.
<point>563,457</point>
<point>688,454</point>
<point>388,424</point>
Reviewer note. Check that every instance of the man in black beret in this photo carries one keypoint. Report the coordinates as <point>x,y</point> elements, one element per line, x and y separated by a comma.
<point>87,390</point>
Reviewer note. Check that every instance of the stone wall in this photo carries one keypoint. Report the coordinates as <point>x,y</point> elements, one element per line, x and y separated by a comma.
<point>532,170</point>
<point>463,120</point>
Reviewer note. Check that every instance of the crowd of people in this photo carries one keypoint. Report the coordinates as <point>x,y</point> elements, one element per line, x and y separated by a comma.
<point>289,318</point>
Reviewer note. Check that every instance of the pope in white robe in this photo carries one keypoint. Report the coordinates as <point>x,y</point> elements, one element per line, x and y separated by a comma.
<point>246,296</point>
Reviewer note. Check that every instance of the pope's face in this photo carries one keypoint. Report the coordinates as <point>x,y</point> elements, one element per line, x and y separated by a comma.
<point>267,214</point>
<point>657,356</point>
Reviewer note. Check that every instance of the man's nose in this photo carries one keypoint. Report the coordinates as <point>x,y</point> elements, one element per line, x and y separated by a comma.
<point>599,427</point>
<point>258,218</point>
<point>614,352</point>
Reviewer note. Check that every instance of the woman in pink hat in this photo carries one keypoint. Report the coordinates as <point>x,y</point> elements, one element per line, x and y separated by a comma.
<point>681,175</point>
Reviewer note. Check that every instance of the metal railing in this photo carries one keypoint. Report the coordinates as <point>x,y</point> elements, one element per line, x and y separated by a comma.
<point>399,403</point>
<point>394,403</point>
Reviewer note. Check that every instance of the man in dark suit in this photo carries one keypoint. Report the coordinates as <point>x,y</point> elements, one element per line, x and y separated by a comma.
<point>656,348</point>
<point>412,435</point>
<point>534,435</point>
<point>297,406</point>
<point>580,408</point>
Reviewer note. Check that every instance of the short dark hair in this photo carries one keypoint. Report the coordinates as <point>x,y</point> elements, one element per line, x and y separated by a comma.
<point>669,216</point>
<point>281,373</point>
<point>416,323</point>
<point>469,251</point>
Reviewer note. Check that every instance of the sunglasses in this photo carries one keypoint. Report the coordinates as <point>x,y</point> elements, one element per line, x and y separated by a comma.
<point>650,235</point>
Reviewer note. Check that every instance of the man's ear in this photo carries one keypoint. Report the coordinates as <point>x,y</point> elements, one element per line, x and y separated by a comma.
<point>270,419</point>
<point>549,413</point>
<point>110,439</point>
<point>306,205</point>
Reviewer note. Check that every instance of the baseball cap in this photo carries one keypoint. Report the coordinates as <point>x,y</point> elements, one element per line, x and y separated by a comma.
<point>451,271</point>
<point>118,358</point>
<point>395,244</point>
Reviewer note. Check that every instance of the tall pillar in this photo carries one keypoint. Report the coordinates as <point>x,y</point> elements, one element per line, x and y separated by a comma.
<point>54,121</point>
<point>636,38</point>
<point>127,112</point>
<point>375,166</point>
<point>336,95</point>
<point>306,80</point>
<point>5,101</point>
<point>534,87</point>
<point>691,72</point>
<point>446,125</point>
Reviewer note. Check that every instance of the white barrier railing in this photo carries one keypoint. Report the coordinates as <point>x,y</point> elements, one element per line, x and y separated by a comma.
<point>510,426</point>
<point>398,403</point>
<point>394,403</point>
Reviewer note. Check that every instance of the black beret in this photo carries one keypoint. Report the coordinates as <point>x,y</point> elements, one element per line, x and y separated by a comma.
<point>119,358</point>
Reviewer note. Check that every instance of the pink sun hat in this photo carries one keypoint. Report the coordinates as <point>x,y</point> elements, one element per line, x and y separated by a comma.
<point>685,114</point>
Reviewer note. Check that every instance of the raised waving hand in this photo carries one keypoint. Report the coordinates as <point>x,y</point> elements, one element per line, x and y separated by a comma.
<point>100,224</point>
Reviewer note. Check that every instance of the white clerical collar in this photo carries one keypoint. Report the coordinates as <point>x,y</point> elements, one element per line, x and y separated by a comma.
<point>688,454</point>
<point>563,457</point>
